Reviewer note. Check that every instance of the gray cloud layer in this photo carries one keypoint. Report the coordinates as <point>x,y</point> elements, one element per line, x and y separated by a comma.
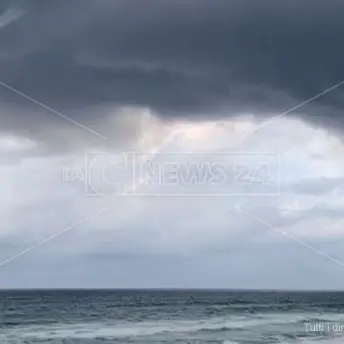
<point>177,57</point>
<point>92,61</point>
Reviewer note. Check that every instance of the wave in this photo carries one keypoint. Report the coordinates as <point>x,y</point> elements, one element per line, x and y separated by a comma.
<point>101,330</point>
<point>108,330</point>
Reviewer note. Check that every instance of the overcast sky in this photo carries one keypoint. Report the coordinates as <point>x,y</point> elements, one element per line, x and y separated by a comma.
<point>238,104</point>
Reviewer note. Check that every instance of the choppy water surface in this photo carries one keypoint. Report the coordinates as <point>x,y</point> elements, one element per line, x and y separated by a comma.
<point>93,317</point>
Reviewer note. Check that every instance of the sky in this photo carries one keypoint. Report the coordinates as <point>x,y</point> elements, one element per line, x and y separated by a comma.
<point>171,144</point>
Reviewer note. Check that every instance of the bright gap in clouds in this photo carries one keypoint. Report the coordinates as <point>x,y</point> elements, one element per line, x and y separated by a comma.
<point>172,226</point>
<point>13,143</point>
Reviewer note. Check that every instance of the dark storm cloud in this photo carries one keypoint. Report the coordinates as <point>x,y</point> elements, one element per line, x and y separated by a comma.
<point>177,57</point>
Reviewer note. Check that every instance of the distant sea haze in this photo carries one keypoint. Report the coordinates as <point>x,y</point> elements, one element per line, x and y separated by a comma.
<point>171,316</point>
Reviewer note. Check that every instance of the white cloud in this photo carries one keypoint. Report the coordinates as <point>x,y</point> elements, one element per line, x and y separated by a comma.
<point>37,202</point>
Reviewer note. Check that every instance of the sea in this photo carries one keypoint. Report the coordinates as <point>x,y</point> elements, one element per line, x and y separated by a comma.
<point>170,316</point>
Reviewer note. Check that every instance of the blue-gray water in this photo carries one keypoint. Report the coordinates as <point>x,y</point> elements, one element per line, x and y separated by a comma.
<point>95,317</point>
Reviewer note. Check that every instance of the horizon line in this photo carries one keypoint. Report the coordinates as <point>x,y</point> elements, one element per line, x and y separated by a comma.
<point>172,289</point>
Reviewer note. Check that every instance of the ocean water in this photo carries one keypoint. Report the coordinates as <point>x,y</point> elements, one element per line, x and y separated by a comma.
<point>156,317</point>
